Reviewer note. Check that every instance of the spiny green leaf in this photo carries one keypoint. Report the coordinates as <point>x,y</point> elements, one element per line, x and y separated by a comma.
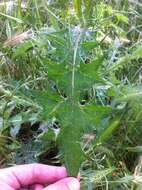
<point>89,45</point>
<point>56,39</point>
<point>56,71</point>
<point>82,81</point>
<point>85,75</point>
<point>69,138</point>
<point>48,100</point>
<point>91,69</point>
<point>73,155</point>
<point>95,113</point>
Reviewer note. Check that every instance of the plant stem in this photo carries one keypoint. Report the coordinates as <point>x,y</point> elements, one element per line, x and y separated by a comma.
<point>74,60</point>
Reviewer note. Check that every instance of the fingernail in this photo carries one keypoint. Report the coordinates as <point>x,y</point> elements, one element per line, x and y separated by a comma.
<point>73,184</point>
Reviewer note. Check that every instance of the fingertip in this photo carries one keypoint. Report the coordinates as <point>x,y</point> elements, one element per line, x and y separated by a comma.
<point>72,183</point>
<point>69,183</point>
<point>62,171</point>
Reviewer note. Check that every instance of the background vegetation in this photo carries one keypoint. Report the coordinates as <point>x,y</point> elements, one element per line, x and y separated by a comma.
<point>70,88</point>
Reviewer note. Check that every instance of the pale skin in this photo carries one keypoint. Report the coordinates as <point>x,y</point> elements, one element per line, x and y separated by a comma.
<point>37,177</point>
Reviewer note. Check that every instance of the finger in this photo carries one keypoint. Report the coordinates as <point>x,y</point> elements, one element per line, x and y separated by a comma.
<point>24,175</point>
<point>37,187</point>
<point>65,184</point>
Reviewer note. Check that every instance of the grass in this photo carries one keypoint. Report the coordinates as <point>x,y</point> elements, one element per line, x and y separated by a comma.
<point>34,33</point>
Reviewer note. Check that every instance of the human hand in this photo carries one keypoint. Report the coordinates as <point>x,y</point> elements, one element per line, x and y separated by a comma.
<point>36,177</point>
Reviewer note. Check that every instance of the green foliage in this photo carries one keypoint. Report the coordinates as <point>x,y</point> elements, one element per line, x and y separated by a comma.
<point>136,54</point>
<point>69,139</point>
<point>71,78</point>
<point>73,87</point>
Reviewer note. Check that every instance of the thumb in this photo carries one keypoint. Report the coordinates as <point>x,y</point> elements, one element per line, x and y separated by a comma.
<point>69,183</point>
